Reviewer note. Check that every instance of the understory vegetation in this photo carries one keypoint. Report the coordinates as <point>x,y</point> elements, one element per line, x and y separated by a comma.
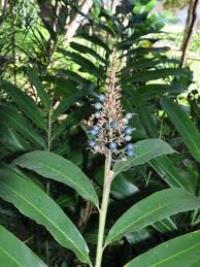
<point>68,197</point>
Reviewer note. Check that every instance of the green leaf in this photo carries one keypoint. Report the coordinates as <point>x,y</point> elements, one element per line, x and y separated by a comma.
<point>34,203</point>
<point>180,251</point>
<point>35,81</point>
<point>145,151</point>
<point>87,50</point>
<point>17,121</point>
<point>171,175</point>
<point>14,253</point>
<point>86,64</point>
<point>25,103</point>
<point>184,125</point>
<point>148,75</point>
<point>152,209</point>
<point>53,166</point>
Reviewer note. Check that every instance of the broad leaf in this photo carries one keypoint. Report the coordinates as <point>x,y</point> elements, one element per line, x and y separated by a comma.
<point>53,166</point>
<point>184,125</point>
<point>14,253</point>
<point>144,152</point>
<point>171,175</point>
<point>180,251</point>
<point>154,208</point>
<point>34,203</point>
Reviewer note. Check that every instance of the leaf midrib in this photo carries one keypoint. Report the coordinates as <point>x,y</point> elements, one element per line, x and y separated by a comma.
<point>8,254</point>
<point>48,219</point>
<point>139,219</point>
<point>173,113</point>
<point>132,162</point>
<point>60,174</point>
<point>175,255</point>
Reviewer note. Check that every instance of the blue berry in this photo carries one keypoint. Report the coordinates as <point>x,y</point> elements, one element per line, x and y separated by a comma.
<point>101,97</point>
<point>96,128</point>
<point>92,143</point>
<point>114,125</point>
<point>93,132</point>
<point>128,131</point>
<point>127,138</point>
<point>130,153</point>
<point>108,126</point>
<point>129,146</point>
<point>113,146</point>
<point>98,106</point>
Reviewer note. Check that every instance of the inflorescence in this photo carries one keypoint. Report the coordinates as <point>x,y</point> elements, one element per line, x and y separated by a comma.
<point>110,129</point>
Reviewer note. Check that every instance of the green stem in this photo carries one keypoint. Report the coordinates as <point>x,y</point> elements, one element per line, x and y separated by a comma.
<point>104,207</point>
<point>49,130</point>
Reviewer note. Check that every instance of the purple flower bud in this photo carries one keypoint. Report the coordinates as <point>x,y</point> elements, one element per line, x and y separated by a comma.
<point>127,138</point>
<point>98,106</point>
<point>113,146</point>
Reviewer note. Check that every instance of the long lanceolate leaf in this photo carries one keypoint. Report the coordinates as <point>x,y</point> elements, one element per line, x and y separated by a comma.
<point>33,202</point>
<point>144,152</point>
<point>53,166</point>
<point>180,251</point>
<point>154,208</point>
<point>14,253</point>
<point>35,81</point>
<point>184,126</point>
<point>17,121</point>
<point>25,103</point>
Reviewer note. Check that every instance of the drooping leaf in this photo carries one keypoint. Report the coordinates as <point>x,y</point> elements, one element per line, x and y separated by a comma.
<point>184,125</point>
<point>25,103</point>
<point>154,208</point>
<point>145,151</point>
<point>53,166</point>
<point>180,251</point>
<point>15,120</point>
<point>171,175</point>
<point>34,203</point>
<point>156,74</point>
<point>35,81</point>
<point>14,253</point>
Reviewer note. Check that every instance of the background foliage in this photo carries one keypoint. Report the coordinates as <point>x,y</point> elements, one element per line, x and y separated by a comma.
<point>49,79</point>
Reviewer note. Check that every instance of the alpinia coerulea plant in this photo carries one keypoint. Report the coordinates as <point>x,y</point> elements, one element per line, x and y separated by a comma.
<point>110,135</point>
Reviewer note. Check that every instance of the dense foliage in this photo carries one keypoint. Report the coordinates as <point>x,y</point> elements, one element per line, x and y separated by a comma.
<point>50,182</point>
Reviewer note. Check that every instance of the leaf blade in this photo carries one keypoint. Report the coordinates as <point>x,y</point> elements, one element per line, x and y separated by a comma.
<point>14,253</point>
<point>154,208</point>
<point>53,166</point>
<point>180,251</point>
<point>34,203</point>
<point>144,151</point>
<point>184,126</point>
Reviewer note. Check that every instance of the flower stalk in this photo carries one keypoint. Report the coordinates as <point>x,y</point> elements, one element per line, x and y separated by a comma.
<point>108,177</point>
